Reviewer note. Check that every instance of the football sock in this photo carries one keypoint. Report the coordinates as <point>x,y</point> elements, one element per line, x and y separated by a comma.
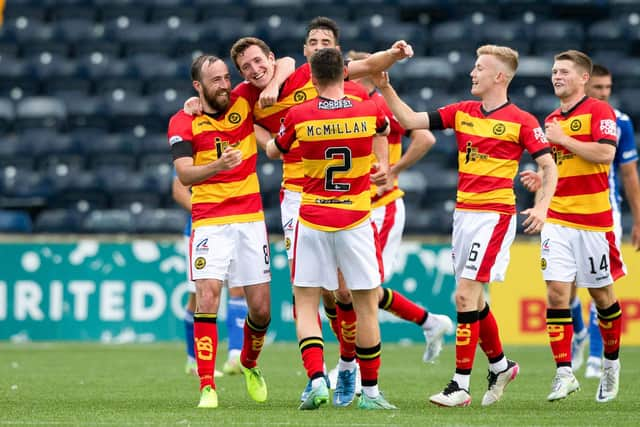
<point>252,343</point>
<point>610,321</point>
<point>205,333</point>
<point>560,332</point>
<point>312,351</point>
<point>399,305</point>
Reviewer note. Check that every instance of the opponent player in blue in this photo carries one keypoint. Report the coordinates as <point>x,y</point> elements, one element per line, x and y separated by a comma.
<point>625,169</point>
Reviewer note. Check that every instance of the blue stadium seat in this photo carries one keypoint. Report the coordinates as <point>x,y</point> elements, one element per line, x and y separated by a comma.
<point>219,33</point>
<point>23,188</point>
<point>109,221</point>
<point>73,9</point>
<point>270,177</point>
<point>451,36</point>
<point>136,201</point>
<point>533,71</point>
<point>283,35</point>
<point>129,111</point>
<point>29,9</point>
<point>543,105</point>
<point>161,221</point>
<point>41,111</point>
<point>16,80</point>
<point>144,38</point>
<point>15,221</point>
<point>554,36</point>
<point>424,10</point>
<point>286,9</point>
<point>45,141</point>
<point>433,72</point>
<point>607,35</point>
<point>58,220</point>
<point>272,220</point>
<point>61,164</point>
<point>534,10</point>
<point>385,36</point>
<point>7,115</point>
<point>162,10</point>
<point>232,9</point>
<point>330,8</point>
<point>383,10</point>
<point>85,111</point>
<point>113,9</point>
<point>625,73</point>
<point>629,104</point>
<point>507,33</point>
<point>78,30</point>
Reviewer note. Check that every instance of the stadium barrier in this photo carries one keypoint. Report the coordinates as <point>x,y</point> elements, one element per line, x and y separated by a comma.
<point>134,290</point>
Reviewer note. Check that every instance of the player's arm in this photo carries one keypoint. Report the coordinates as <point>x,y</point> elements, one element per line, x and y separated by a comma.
<point>408,118</point>
<point>381,150</point>
<point>190,174</point>
<point>597,152</point>
<point>421,142</point>
<point>181,194</point>
<point>283,69</point>
<point>629,176</point>
<point>262,136</point>
<point>537,215</point>
<point>379,61</point>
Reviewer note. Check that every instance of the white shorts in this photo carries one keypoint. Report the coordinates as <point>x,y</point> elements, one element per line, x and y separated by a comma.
<point>237,253</point>
<point>318,255</point>
<point>289,211</point>
<point>389,221</point>
<point>480,245</point>
<point>191,285</point>
<point>590,258</point>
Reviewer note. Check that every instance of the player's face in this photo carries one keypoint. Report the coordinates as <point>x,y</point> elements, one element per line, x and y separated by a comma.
<point>567,79</point>
<point>599,87</point>
<point>483,75</point>
<point>215,86</point>
<point>317,39</point>
<point>256,67</point>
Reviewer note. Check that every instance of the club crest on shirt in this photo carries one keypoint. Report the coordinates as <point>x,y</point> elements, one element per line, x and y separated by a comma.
<point>575,125</point>
<point>300,96</point>
<point>199,263</point>
<point>543,263</point>
<point>235,118</point>
<point>287,243</point>
<point>499,129</point>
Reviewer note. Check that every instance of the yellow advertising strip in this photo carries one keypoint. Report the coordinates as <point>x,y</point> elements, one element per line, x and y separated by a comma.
<point>519,303</point>
<point>489,128</point>
<point>489,166</point>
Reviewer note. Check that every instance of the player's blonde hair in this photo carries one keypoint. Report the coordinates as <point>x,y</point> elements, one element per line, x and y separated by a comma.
<point>507,56</point>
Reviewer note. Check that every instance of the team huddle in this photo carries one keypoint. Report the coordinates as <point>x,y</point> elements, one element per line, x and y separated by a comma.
<point>337,127</point>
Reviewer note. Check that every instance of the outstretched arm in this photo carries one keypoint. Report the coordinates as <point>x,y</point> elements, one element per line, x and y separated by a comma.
<point>380,61</point>
<point>421,142</point>
<point>537,215</point>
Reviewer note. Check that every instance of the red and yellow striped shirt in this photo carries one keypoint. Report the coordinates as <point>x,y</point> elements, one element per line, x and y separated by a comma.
<point>581,199</point>
<point>335,139</point>
<point>490,145</point>
<point>229,196</point>
<point>296,90</point>
<point>395,152</point>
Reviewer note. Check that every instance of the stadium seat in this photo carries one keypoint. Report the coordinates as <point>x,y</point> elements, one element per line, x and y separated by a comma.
<point>424,10</point>
<point>15,221</point>
<point>7,115</point>
<point>270,177</point>
<point>451,36</point>
<point>144,38</point>
<point>31,10</point>
<point>23,189</point>
<point>232,9</point>
<point>385,36</point>
<point>16,80</point>
<point>161,221</point>
<point>78,29</point>
<point>433,72</point>
<point>607,35</point>
<point>113,9</point>
<point>129,111</point>
<point>73,9</point>
<point>533,71</point>
<point>286,9</point>
<point>284,36</point>
<point>162,10</point>
<point>272,220</point>
<point>373,10</point>
<point>58,221</point>
<point>625,73</point>
<point>543,105</point>
<point>61,164</point>
<point>629,104</point>
<point>507,33</point>
<point>557,36</point>
<point>41,111</point>
<point>330,8</point>
<point>109,221</point>
<point>136,201</point>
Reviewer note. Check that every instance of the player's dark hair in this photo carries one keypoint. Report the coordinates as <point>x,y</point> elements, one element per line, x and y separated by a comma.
<point>245,43</point>
<point>324,23</point>
<point>327,66</point>
<point>600,71</point>
<point>196,65</point>
<point>581,60</point>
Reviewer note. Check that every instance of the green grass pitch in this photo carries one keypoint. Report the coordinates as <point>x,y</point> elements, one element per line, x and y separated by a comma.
<point>131,385</point>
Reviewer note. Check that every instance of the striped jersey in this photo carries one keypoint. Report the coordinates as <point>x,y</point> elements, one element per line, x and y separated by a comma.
<point>581,199</point>
<point>490,145</point>
<point>336,140</point>
<point>296,90</point>
<point>396,131</point>
<point>230,196</point>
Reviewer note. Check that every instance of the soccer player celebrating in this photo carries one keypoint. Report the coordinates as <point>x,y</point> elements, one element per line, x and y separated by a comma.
<point>216,155</point>
<point>335,136</point>
<point>491,134</point>
<point>578,243</point>
<point>624,169</point>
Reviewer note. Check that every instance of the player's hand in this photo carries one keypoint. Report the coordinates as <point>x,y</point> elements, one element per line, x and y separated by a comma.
<point>635,236</point>
<point>554,133</point>
<point>192,106</point>
<point>268,96</point>
<point>535,220</point>
<point>381,79</point>
<point>231,157</point>
<point>379,175</point>
<point>531,180</point>
<point>401,50</point>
